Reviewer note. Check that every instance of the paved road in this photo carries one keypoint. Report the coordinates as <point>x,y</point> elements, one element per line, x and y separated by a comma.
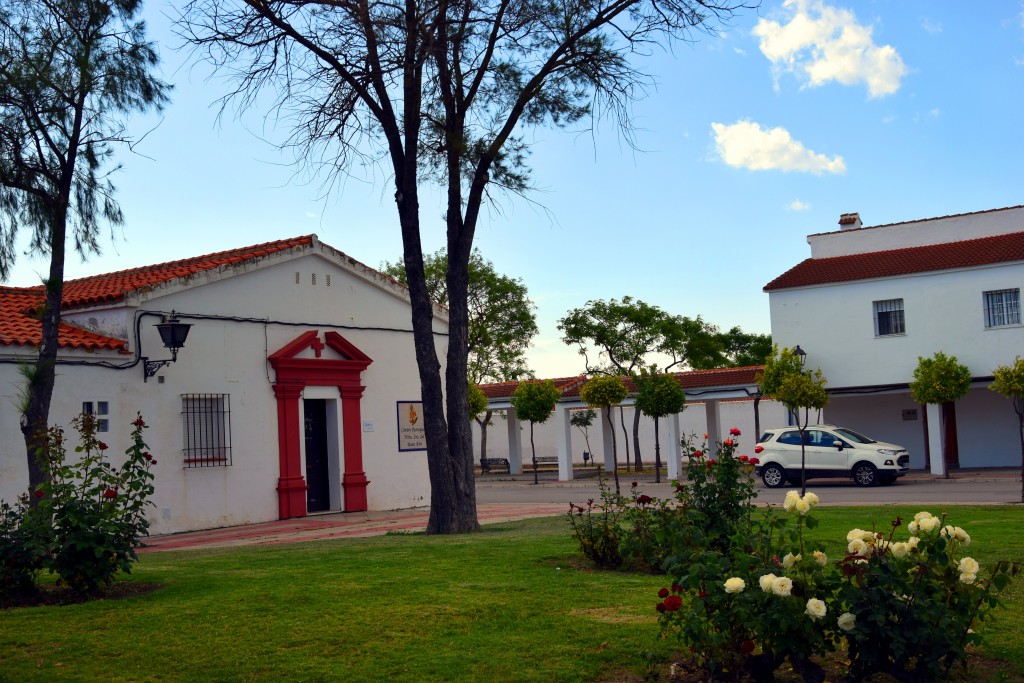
<point>993,487</point>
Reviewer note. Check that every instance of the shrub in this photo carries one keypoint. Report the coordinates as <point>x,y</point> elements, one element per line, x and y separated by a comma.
<point>23,548</point>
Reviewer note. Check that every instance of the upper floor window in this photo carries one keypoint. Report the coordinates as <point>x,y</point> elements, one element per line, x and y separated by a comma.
<point>1002,307</point>
<point>889,317</point>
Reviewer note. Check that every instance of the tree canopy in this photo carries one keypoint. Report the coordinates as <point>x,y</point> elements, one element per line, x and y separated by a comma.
<point>740,349</point>
<point>70,71</point>
<point>534,402</point>
<point>605,392</point>
<point>438,91</point>
<point>502,318</point>
<point>658,394</point>
<point>939,379</point>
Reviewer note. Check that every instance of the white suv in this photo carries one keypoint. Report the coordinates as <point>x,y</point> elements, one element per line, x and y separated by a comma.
<point>830,451</point>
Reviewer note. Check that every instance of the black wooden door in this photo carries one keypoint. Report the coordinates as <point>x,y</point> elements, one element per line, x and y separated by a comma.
<point>318,491</point>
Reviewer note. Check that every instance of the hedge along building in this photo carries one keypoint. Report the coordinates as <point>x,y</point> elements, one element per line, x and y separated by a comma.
<point>717,400</point>
<point>296,391</point>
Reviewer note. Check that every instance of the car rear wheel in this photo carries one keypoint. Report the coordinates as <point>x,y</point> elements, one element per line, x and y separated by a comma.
<point>865,474</point>
<point>773,476</point>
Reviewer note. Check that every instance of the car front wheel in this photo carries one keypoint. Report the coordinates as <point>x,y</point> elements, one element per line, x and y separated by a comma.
<point>773,476</point>
<point>865,474</point>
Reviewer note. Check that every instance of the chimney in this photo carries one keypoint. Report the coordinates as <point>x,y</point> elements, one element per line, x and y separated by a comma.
<point>850,221</point>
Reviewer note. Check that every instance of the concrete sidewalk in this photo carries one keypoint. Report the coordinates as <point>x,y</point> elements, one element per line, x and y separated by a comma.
<point>339,525</point>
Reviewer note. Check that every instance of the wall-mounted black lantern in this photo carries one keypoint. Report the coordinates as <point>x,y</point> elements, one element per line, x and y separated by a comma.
<point>801,354</point>
<point>173,333</point>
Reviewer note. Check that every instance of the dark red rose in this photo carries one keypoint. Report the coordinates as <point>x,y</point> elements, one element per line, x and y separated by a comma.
<point>148,456</point>
<point>110,493</point>
<point>644,499</point>
<point>663,593</point>
<point>153,461</point>
<point>744,458</point>
<point>677,589</point>
<point>734,431</point>
<point>680,488</point>
<point>702,594</point>
<point>661,607</point>
<point>747,646</point>
<point>38,494</point>
<point>754,461</point>
<point>727,442</point>
<point>102,446</point>
<point>697,454</point>
<point>673,603</point>
<point>633,485</point>
<point>138,422</point>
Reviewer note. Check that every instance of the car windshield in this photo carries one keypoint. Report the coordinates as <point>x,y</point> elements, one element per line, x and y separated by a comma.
<point>853,436</point>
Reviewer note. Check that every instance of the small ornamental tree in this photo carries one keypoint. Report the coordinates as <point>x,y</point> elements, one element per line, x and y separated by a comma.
<point>582,420</point>
<point>784,380</point>
<point>1009,381</point>
<point>658,395</point>
<point>477,400</point>
<point>534,402</point>
<point>605,392</point>
<point>940,379</point>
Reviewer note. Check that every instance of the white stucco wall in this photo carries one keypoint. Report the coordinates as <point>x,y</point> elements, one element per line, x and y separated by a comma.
<point>917,233</point>
<point>230,357</point>
<point>944,311</point>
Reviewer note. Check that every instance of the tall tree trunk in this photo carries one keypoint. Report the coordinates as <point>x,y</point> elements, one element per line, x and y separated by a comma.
<point>533,455</point>
<point>484,423</point>
<point>638,462</point>
<point>657,454</point>
<point>625,435</point>
<point>34,420</point>
<point>615,453</point>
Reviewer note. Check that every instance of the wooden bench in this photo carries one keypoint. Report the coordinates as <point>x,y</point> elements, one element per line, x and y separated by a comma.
<point>487,464</point>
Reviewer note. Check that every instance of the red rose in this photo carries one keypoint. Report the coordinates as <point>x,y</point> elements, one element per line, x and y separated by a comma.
<point>677,589</point>
<point>102,446</point>
<point>663,593</point>
<point>148,456</point>
<point>747,646</point>
<point>138,422</point>
<point>680,488</point>
<point>644,500</point>
<point>754,461</point>
<point>38,494</point>
<point>734,431</point>
<point>712,461</point>
<point>702,594</point>
<point>110,493</point>
<point>660,607</point>
<point>673,603</point>
<point>153,461</point>
<point>744,458</point>
<point>727,442</point>
<point>633,485</point>
<point>697,454</point>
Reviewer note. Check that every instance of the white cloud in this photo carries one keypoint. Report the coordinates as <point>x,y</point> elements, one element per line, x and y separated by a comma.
<point>745,144</point>
<point>797,205</point>
<point>931,26</point>
<point>827,44</point>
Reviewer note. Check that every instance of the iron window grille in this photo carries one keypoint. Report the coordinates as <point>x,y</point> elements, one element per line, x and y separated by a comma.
<point>1002,307</point>
<point>206,419</point>
<point>889,318</point>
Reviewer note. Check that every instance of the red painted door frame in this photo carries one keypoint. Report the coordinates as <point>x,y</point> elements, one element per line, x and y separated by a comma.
<point>294,374</point>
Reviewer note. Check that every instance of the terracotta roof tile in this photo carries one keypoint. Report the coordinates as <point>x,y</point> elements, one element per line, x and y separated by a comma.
<point>19,329</point>
<point>500,390</point>
<point>895,262</point>
<point>112,287</point>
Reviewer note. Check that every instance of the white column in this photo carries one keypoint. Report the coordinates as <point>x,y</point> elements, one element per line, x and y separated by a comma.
<point>936,438</point>
<point>671,449</point>
<point>714,423</point>
<point>607,438</point>
<point>515,442</point>
<point>563,439</point>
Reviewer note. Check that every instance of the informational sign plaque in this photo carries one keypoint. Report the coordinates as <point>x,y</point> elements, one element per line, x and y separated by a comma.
<point>411,435</point>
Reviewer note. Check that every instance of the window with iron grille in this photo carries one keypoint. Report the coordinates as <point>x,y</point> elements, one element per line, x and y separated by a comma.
<point>1002,307</point>
<point>101,409</point>
<point>889,317</point>
<point>206,419</point>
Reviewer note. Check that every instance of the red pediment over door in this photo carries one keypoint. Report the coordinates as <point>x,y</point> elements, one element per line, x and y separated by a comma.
<point>308,361</point>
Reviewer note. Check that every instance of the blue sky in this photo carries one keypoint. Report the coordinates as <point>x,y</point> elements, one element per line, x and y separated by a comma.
<point>750,141</point>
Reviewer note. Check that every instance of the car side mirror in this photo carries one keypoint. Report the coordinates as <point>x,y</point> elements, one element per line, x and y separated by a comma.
<point>838,444</point>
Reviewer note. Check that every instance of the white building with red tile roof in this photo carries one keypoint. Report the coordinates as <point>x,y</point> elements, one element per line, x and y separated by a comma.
<point>871,300</point>
<point>295,390</point>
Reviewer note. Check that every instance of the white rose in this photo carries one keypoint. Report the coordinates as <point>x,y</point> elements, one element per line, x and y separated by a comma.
<point>820,557</point>
<point>913,541</point>
<point>791,499</point>
<point>782,585</point>
<point>802,506</point>
<point>766,582</point>
<point>871,537</point>
<point>968,577</point>
<point>815,608</point>
<point>900,549</point>
<point>969,565</point>
<point>857,547</point>
<point>789,560</point>
<point>735,585</point>
<point>847,621</point>
<point>961,536</point>
<point>811,498</point>
<point>855,533</point>
<point>912,528</point>
<point>922,515</point>
<point>930,524</point>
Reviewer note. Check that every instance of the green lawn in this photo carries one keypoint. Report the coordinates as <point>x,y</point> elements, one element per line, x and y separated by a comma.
<point>513,603</point>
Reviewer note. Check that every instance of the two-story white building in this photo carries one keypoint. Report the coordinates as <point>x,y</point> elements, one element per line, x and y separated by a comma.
<point>297,389</point>
<point>871,300</point>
